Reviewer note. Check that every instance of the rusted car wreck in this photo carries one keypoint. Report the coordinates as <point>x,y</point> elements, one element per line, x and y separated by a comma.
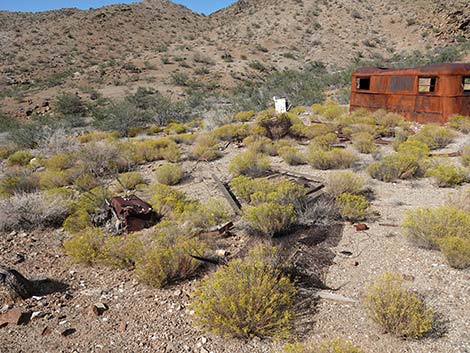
<point>427,94</point>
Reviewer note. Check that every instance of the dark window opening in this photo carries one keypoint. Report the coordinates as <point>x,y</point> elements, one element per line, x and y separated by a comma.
<point>466,84</point>
<point>363,83</point>
<point>427,84</point>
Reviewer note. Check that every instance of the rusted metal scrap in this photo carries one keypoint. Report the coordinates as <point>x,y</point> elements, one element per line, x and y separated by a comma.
<point>133,213</point>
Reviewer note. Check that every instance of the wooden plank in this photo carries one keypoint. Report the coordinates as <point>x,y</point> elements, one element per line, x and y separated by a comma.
<point>232,200</point>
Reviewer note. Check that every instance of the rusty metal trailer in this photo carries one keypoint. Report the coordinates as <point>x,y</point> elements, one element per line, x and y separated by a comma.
<point>424,94</point>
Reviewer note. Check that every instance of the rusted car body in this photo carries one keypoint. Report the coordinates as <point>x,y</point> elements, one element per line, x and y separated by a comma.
<point>133,213</point>
<point>427,94</point>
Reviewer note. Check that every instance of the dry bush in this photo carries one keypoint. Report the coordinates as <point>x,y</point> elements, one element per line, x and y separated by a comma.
<point>434,136</point>
<point>322,211</point>
<point>168,259</point>
<point>32,211</point>
<point>291,155</point>
<point>456,250</point>
<point>122,252</point>
<point>231,132</point>
<point>465,157</point>
<point>352,207</point>
<point>460,123</point>
<point>249,163</point>
<point>244,116</point>
<point>53,179</point>
<point>387,123</point>
<point>60,162</point>
<point>175,128</point>
<point>166,201</point>
<point>95,136</point>
<point>85,246</point>
<point>85,182</point>
<point>332,346</point>
<point>446,175</point>
<point>198,217</point>
<point>129,181</point>
<point>249,297</point>
<point>187,138</point>
<point>205,148</point>
<point>364,142</point>
<point>395,166</point>
<point>344,182</point>
<point>18,180</point>
<point>337,158</point>
<point>323,142</point>
<point>169,174</point>
<point>261,144</point>
<point>270,219</point>
<point>275,125</point>
<point>329,109</point>
<point>20,158</point>
<point>100,158</point>
<point>461,200</point>
<point>397,310</point>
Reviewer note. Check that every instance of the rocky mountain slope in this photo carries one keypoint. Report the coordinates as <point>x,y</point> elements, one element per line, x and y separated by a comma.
<point>163,45</point>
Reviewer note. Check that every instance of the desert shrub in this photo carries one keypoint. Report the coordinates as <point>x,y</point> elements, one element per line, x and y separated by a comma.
<point>175,128</point>
<point>169,174</point>
<point>329,109</point>
<point>332,346</point>
<point>122,252</point>
<point>465,157</point>
<point>5,152</point>
<point>434,136</point>
<point>68,104</point>
<point>100,158</point>
<point>53,179</point>
<point>85,246</point>
<point>135,131</point>
<point>336,158</point>
<point>260,144</point>
<point>20,158</point>
<point>154,129</point>
<point>414,148</point>
<point>291,155</point>
<point>426,226</point>
<point>249,163</point>
<point>166,200</point>
<point>186,138</point>
<point>85,182</point>
<point>364,142</point>
<point>231,132</point>
<point>300,130</point>
<point>129,181</point>
<point>244,186</point>
<point>244,116</point>
<point>399,311</point>
<point>270,218</point>
<point>395,166</point>
<point>32,211</point>
<point>95,136</point>
<point>352,207</point>
<point>171,152</point>
<point>446,175</point>
<point>18,180</point>
<point>275,125</point>
<point>77,221</point>
<point>93,201</point>
<point>200,217</point>
<point>460,123</point>
<point>168,259</point>
<point>205,148</point>
<point>387,122</point>
<point>60,162</point>
<point>249,297</point>
<point>323,142</point>
<point>344,182</point>
<point>456,250</point>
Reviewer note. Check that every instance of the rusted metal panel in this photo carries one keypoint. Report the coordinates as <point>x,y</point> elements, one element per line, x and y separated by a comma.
<point>134,213</point>
<point>430,93</point>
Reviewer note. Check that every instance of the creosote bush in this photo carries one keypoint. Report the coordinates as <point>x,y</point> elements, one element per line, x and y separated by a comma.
<point>169,174</point>
<point>434,136</point>
<point>249,297</point>
<point>446,175</point>
<point>352,207</point>
<point>249,163</point>
<point>270,218</point>
<point>344,182</point>
<point>399,311</point>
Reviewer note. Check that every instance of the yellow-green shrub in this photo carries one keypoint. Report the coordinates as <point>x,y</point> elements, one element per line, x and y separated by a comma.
<point>399,311</point>
<point>270,218</point>
<point>85,182</point>
<point>231,132</point>
<point>122,252</point>
<point>200,217</point>
<point>244,116</point>
<point>446,175</point>
<point>291,155</point>
<point>275,125</point>
<point>168,259</point>
<point>425,226</point>
<point>344,182</point>
<point>53,179</point>
<point>205,148</point>
<point>154,129</point>
<point>434,136</point>
<point>175,128</point>
<point>165,200</point>
<point>77,221</point>
<point>260,144</point>
<point>85,246</point>
<point>134,131</point>
<point>414,148</point>
<point>20,158</point>
<point>332,346</point>
<point>352,207</point>
<point>129,181</point>
<point>18,180</point>
<point>186,138</point>
<point>169,174</point>
<point>329,109</point>
<point>5,152</point>
<point>60,162</point>
<point>465,157</point>
<point>456,250</point>
<point>337,158</point>
<point>395,166</point>
<point>460,123</point>
<point>364,142</point>
<point>387,122</point>
<point>249,163</point>
<point>94,136</point>
<point>247,298</point>
<point>323,142</point>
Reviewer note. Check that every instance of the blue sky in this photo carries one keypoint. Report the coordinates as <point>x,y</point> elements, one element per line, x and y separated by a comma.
<point>202,6</point>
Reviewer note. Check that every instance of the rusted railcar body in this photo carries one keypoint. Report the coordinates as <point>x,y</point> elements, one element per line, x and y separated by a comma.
<point>428,94</point>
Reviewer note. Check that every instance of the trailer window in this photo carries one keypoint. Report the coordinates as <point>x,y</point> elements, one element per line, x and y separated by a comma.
<point>363,83</point>
<point>427,84</point>
<point>466,84</point>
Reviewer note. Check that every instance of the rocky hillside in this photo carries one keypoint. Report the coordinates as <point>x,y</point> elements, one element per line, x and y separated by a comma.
<point>163,45</point>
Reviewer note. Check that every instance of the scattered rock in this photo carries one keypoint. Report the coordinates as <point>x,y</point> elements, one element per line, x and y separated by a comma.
<point>122,327</point>
<point>68,332</point>
<point>46,331</point>
<point>15,317</point>
<point>361,227</point>
<point>97,309</point>
<point>221,252</point>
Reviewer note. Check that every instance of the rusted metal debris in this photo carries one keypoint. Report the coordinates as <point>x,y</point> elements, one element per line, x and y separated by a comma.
<point>132,213</point>
<point>427,94</point>
<point>229,196</point>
